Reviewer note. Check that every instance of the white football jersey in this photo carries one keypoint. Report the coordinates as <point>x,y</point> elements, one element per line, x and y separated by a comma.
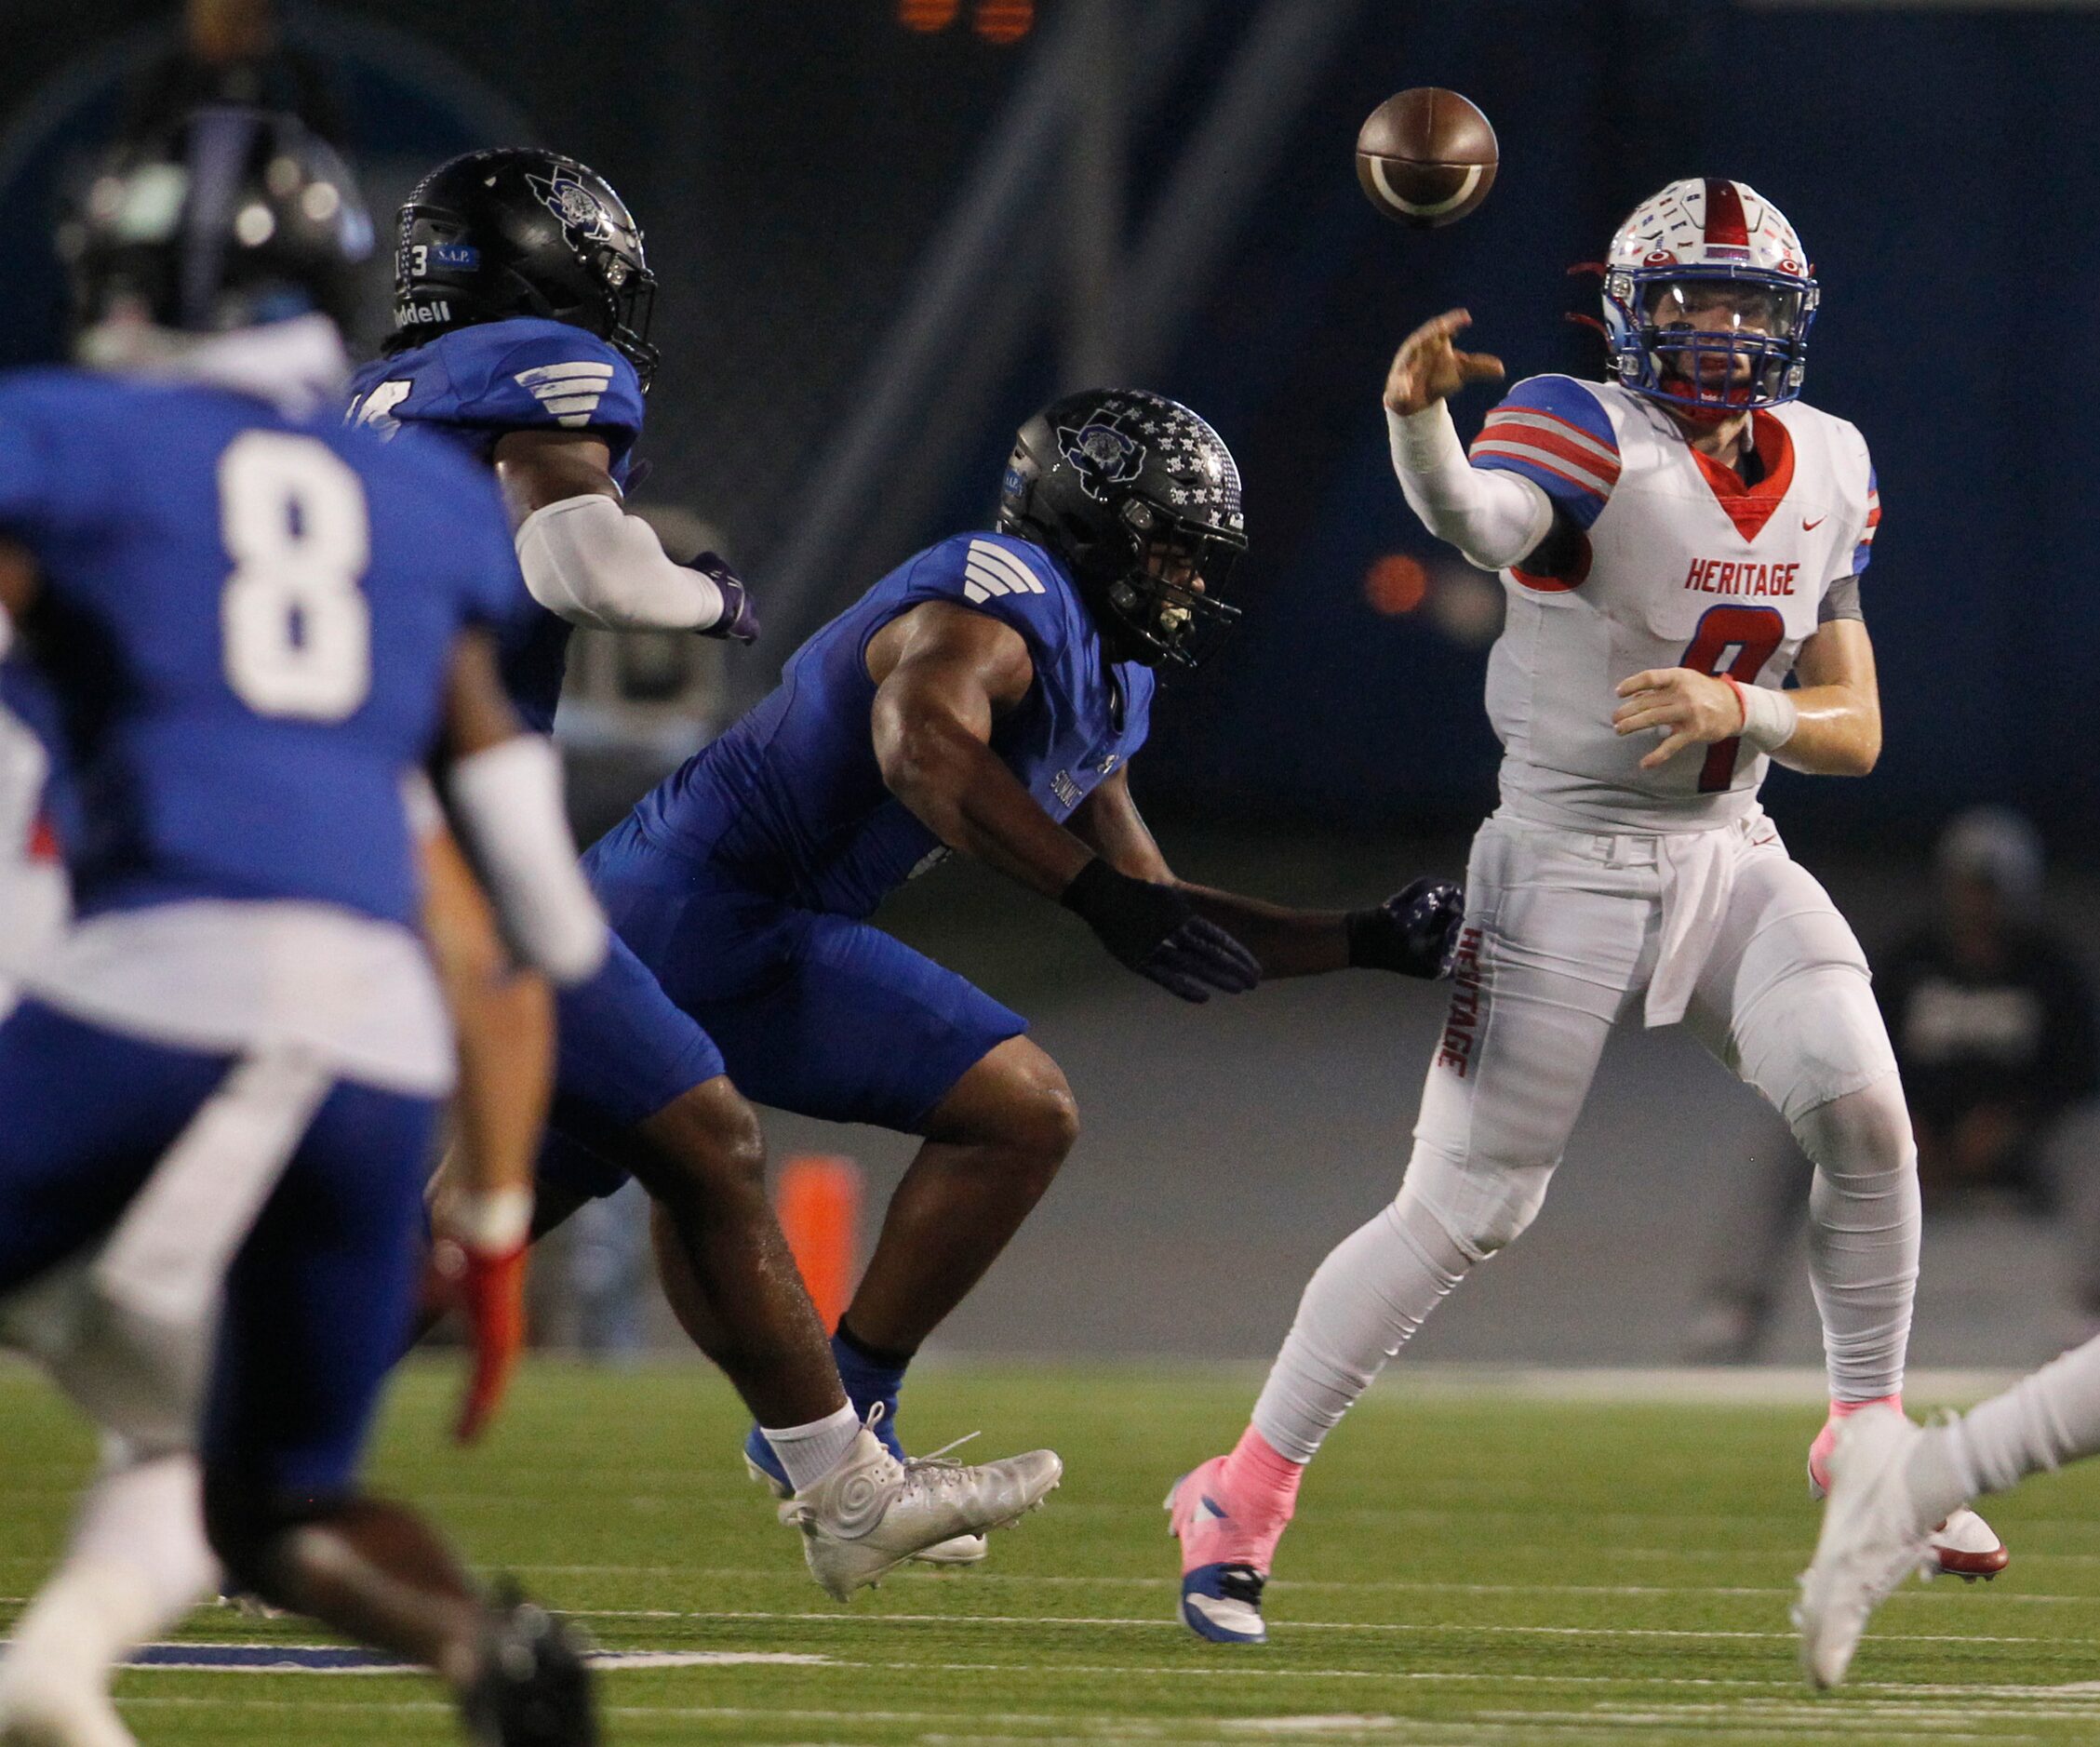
<point>1684,566</point>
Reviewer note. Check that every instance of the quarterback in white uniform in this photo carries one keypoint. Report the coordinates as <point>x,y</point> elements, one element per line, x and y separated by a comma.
<point>1674,543</point>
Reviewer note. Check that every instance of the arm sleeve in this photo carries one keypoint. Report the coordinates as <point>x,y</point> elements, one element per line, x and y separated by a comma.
<point>1494,518</point>
<point>587,561</point>
<point>1552,432</point>
<point>1841,600</point>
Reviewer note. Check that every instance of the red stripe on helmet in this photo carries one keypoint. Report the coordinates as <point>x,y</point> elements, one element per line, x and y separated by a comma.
<point>1726,225</point>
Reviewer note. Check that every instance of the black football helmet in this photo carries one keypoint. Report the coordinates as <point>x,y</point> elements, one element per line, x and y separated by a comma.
<point>1140,499</point>
<point>520,232</point>
<point>232,218</point>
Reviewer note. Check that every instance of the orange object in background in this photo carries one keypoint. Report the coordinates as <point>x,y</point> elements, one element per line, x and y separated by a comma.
<point>1395,584</point>
<point>927,15</point>
<point>820,1213</point>
<point>1004,22</point>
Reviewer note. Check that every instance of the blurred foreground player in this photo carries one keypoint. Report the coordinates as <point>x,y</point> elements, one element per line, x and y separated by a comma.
<point>1892,1481</point>
<point>984,698</point>
<point>1674,543</point>
<point>223,1083</point>
<point>522,298</point>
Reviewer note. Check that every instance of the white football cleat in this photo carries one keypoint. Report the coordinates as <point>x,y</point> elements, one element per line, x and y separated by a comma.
<point>1871,1541</point>
<point>871,1513</point>
<point>953,1553</point>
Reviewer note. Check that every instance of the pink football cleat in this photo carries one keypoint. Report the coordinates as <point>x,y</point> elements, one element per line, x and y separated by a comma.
<point>1226,1559</point>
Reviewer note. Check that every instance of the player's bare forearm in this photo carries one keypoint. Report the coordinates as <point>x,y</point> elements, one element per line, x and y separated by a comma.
<point>936,763</point>
<point>1838,702</point>
<point>1831,722</point>
<point>504,1020</point>
<point>1287,942</point>
<point>18,580</point>
<point>478,711</point>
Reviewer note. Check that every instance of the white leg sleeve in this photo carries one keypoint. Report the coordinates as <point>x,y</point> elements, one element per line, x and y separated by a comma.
<point>1786,1002</point>
<point>2044,1420</point>
<point>1362,1304</point>
<point>1519,1049</point>
<point>138,1562</point>
<point>1864,1224</point>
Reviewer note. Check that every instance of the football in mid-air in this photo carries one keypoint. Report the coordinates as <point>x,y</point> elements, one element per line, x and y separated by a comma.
<point>1427,157</point>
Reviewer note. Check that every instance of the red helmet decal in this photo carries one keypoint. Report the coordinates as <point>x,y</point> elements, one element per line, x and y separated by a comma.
<point>1726,225</point>
<point>1660,258</point>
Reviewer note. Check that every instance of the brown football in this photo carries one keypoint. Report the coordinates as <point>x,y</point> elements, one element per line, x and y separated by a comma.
<point>1427,156</point>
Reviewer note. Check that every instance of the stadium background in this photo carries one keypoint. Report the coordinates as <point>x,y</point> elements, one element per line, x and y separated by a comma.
<point>887,229</point>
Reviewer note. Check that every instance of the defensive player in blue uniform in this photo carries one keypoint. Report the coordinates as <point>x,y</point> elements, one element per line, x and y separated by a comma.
<point>521,306</point>
<point>258,628</point>
<point>985,697</point>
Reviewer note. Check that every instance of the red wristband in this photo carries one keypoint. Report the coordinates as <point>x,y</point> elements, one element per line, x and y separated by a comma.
<point>1742,702</point>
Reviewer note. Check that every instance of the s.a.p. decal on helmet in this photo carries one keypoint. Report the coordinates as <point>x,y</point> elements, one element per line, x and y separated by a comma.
<point>1708,299</point>
<point>520,231</point>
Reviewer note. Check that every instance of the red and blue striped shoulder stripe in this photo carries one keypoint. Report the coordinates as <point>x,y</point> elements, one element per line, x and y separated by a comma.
<point>1554,432</point>
<point>1865,550</point>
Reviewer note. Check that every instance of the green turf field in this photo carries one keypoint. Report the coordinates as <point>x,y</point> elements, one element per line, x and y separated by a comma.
<point>1467,1568</point>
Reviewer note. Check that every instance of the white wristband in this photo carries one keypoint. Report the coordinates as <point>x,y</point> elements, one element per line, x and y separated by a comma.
<point>1770,716</point>
<point>487,1221</point>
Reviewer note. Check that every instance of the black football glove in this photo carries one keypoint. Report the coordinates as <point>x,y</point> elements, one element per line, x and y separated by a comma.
<point>1414,932</point>
<point>1155,931</point>
<point>739,622</point>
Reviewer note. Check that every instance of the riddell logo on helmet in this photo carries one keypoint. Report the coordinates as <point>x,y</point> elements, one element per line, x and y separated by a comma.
<point>422,315</point>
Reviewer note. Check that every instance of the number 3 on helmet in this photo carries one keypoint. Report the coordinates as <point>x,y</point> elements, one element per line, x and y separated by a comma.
<point>1708,299</point>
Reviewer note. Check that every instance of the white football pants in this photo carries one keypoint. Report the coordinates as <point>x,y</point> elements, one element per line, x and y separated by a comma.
<point>1566,934</point>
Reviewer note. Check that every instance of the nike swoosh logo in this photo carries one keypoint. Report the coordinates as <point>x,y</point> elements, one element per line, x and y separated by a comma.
<point>1809,526</point>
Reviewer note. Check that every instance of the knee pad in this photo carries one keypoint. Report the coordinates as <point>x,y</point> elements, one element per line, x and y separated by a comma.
<point>1865,1133</point>
<point>1480,1204</point>
<point>1816,1034</point>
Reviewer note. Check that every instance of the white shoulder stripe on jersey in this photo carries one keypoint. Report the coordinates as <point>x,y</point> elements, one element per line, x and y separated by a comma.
<point>1553,463</point>
<point>1018,573</point>
<point>572,392</point>
<point>1561,428</point>
<point>981,582</point>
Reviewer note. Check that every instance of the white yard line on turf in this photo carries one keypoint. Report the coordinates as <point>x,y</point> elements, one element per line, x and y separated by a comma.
<point>1405,1627</point>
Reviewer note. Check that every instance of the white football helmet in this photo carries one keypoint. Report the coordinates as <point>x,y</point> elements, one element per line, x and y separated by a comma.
<point>1708,299</point>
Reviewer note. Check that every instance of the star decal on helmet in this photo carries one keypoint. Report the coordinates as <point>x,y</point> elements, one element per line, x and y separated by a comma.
<point>1101,455</point>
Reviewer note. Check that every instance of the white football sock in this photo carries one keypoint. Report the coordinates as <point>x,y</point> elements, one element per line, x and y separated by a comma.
<point>1363,1303</point>
<point>809,1452</point>
<point>2047,1419</point>
<point>1863,1235</point>
<point>138,1562</point>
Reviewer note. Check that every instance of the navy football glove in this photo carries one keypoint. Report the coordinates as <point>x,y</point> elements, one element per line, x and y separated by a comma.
<point>1155,931</point>
<point>1414,932</point>
<point>739,622</point>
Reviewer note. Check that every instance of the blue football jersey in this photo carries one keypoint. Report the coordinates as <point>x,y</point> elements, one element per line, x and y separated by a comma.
<point>474,385</point>
<point>791,800</point>
<point>246,621</point>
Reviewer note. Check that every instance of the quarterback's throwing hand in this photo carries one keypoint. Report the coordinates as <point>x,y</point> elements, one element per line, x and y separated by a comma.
<point>1414,932</point>
<point>1687,709</point>
<point>1428,369</point>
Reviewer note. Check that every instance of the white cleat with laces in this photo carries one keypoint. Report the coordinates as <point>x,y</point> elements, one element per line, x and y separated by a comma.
<point>1871,1541</point>
<point>872,1512</point>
